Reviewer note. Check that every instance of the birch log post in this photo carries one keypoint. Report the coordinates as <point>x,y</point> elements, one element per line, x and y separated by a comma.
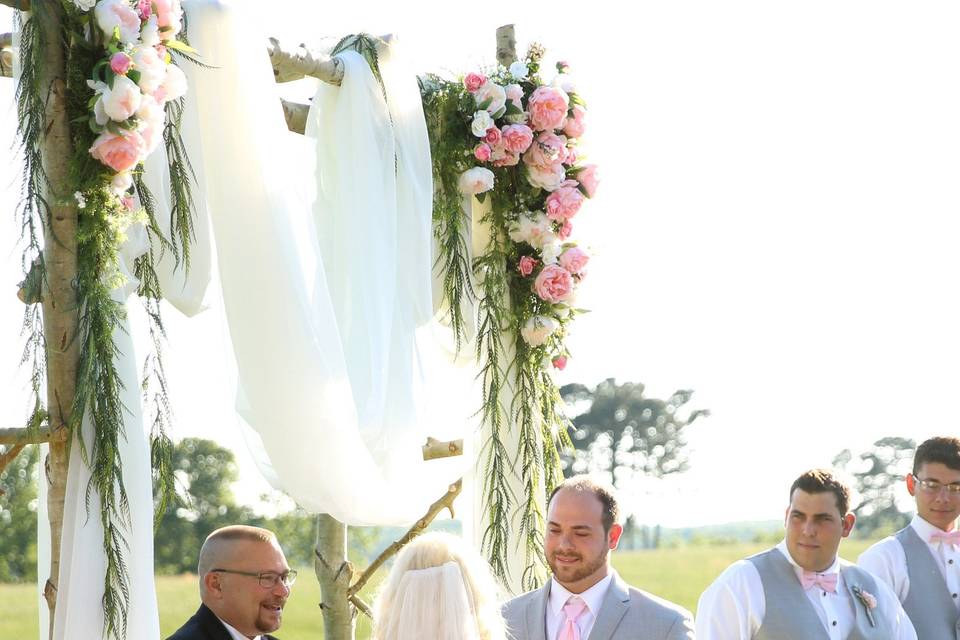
<point>60,313</point>
<point>335,573</point>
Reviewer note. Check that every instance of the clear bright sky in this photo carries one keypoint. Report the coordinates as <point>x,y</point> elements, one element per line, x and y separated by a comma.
<point>777,228</point>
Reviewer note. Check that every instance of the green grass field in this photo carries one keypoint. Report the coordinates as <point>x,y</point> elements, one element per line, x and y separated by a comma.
<point>678,574</point>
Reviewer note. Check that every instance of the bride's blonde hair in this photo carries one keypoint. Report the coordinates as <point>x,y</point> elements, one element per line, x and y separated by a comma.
<point>439,588</point>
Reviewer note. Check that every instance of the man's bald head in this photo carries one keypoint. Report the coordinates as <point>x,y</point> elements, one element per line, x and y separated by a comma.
<point>220,546</point>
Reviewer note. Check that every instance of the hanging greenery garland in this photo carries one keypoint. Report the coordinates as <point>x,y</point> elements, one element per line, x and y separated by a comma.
<point>124,98</point>
<point>511,141</point>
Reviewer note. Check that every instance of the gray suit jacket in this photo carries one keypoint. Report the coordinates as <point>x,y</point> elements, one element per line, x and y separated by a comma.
<point>626,613</point>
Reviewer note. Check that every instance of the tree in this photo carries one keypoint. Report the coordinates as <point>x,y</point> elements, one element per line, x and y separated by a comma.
<point>18,518</point>
<point>877,474</point>
<point>624,433</point>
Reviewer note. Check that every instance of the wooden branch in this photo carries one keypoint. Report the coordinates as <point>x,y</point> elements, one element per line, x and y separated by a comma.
<point>445,502</point>
<point>31,436</point>
<point>361,606</point>
<point>296,115</point>
<point>435,449</point>
<point>301,62</point>
<point>506,45</point>
<point>7,457</point>
<point>22,5</point>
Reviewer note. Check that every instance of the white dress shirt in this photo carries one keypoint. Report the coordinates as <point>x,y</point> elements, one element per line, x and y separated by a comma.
<point>593,597</point>
<point>887,561</point>
<point>236,635</point>
<point>733,606</point>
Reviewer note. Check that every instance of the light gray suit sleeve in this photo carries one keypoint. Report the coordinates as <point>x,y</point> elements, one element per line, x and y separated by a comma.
<point>682,628</point>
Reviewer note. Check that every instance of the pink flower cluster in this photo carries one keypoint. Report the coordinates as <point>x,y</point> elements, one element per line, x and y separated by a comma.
<point>138,80</point>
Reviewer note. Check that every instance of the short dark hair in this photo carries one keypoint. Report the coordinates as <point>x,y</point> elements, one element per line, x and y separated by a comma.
<point>944,450</point>
<point>603,493</point>
<point>822,481</point>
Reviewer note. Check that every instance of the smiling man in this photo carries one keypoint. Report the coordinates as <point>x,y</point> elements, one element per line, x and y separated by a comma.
<point>921,563</point>
<point>586,598</point>
<point>244,584</point>
<point>801,589</point>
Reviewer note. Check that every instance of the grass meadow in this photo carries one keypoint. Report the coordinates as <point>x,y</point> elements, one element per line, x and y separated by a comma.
<point>677,574</point>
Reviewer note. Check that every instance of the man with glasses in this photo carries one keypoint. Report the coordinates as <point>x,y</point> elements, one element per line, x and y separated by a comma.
<point>801,589</point>
<point>921,563</point>
<point>244,584</point>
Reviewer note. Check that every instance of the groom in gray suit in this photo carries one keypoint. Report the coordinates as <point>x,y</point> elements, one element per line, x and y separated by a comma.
<point>585,598</point>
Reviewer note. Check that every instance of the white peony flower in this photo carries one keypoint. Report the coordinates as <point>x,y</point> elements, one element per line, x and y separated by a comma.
<point>122,101</point>
<point>84,5</point>
<point>151,117</point>
<point>121,183</point>
<point>481,122</point>
<point>492,92</point>
<point>537,329</point>
<point>475,180</point>
<point>150,34</point>
<point>174,84</point>
<point>565,82</point>
<point>551,251</point>
<point>152,68</point>
<point>113,14</point>
<point>519,70</point>
<point>533,228</point>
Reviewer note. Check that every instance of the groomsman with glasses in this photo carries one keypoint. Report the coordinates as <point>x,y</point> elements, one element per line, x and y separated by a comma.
<point>921,563</point>
<point>244,584</point>
<point>801,589</point>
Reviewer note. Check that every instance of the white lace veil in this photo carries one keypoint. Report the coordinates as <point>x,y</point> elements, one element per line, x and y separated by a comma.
<point>431,603</point>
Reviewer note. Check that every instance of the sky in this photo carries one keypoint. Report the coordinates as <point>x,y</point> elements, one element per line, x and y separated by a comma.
<point>776,228</point>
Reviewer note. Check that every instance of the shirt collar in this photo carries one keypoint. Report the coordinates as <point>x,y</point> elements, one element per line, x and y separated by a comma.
<point>782,548</point>
<point>592,596</point>
<point>236,635</point>
<point>923,528</point>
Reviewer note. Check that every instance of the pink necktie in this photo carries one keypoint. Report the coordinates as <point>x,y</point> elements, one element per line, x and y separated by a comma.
<point>574,608</point>
<point>951,537</point>
<point>826,581</point>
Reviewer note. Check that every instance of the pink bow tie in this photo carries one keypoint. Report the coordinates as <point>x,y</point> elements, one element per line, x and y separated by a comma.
<point>826,581</point>
<point>952,537</point>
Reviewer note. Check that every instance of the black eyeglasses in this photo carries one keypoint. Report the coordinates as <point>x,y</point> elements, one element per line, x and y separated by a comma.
<point>934,486</point>
<point>267,579</point>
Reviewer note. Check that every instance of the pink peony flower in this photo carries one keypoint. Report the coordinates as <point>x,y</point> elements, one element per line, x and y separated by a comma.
<point>123,100</point>
<point>548,108</point>
<point>492,92</point>
<point>526,266</point>
<point>548,177</point>
<point>169,17</point>
<point>502,157</point>
<point>553,284</point>
<point>517,137</point>
<point>120,153</point>
<point>120,63</point>
<point>476,180</point>
<point>547,149</point>
<point>113,14</point>
<point>564,203</point>
<point>574,260</point>
<point>482,152</point>
<point>493,136</point>
<point>589,179</point>
<point>473,81</point>
<point>560,363</point>
<point>574,126</point>
<point>565,230</point>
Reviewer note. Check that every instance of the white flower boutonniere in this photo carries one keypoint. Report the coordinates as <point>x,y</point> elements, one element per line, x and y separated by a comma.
<point>868,600</point>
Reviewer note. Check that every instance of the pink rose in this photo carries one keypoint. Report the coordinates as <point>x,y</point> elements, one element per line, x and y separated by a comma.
<point>120,63</point>
<point>482,152</point>
<point>514,94</point>
<point>574,260</point>
<point>502,157</point>
<point>571,157</point>
<point>120,153</point>
<point>565,230</point>
<point>143,9</point>
<point>474,81</point>
<point>517,137</point>
<point>560,363</point>
<point>574,126</point>
<point>493,136</point>
<point>548,177</point>
<point>118,14</point>
<point>548,108</point>
<point>526,266</point>
<point>564,203</point>
<point>553,284</point>
<point>589,179</point>
<point>547,149</point>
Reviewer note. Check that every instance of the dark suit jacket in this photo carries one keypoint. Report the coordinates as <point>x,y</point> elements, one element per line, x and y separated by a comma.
<point>205,626</point>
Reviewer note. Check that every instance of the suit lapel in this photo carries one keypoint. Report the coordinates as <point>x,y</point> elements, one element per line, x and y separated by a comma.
<point>614,607</point>
<point>536,619</point>
<point>212,625</point>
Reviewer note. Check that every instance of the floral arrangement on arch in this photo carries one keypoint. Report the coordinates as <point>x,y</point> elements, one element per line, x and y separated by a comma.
<point>510,136</point>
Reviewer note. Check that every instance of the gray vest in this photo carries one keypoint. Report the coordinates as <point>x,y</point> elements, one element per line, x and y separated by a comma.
<point>789,613</point>
<point>929,603</point>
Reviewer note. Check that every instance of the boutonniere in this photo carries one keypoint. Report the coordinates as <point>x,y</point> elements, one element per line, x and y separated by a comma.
<point>868,600</point>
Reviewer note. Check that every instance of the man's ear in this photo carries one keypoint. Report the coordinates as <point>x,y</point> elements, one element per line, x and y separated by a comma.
<point>613,538</point>
<point>848,521</point>
<point>211,584</point>
<point>911,484</point>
